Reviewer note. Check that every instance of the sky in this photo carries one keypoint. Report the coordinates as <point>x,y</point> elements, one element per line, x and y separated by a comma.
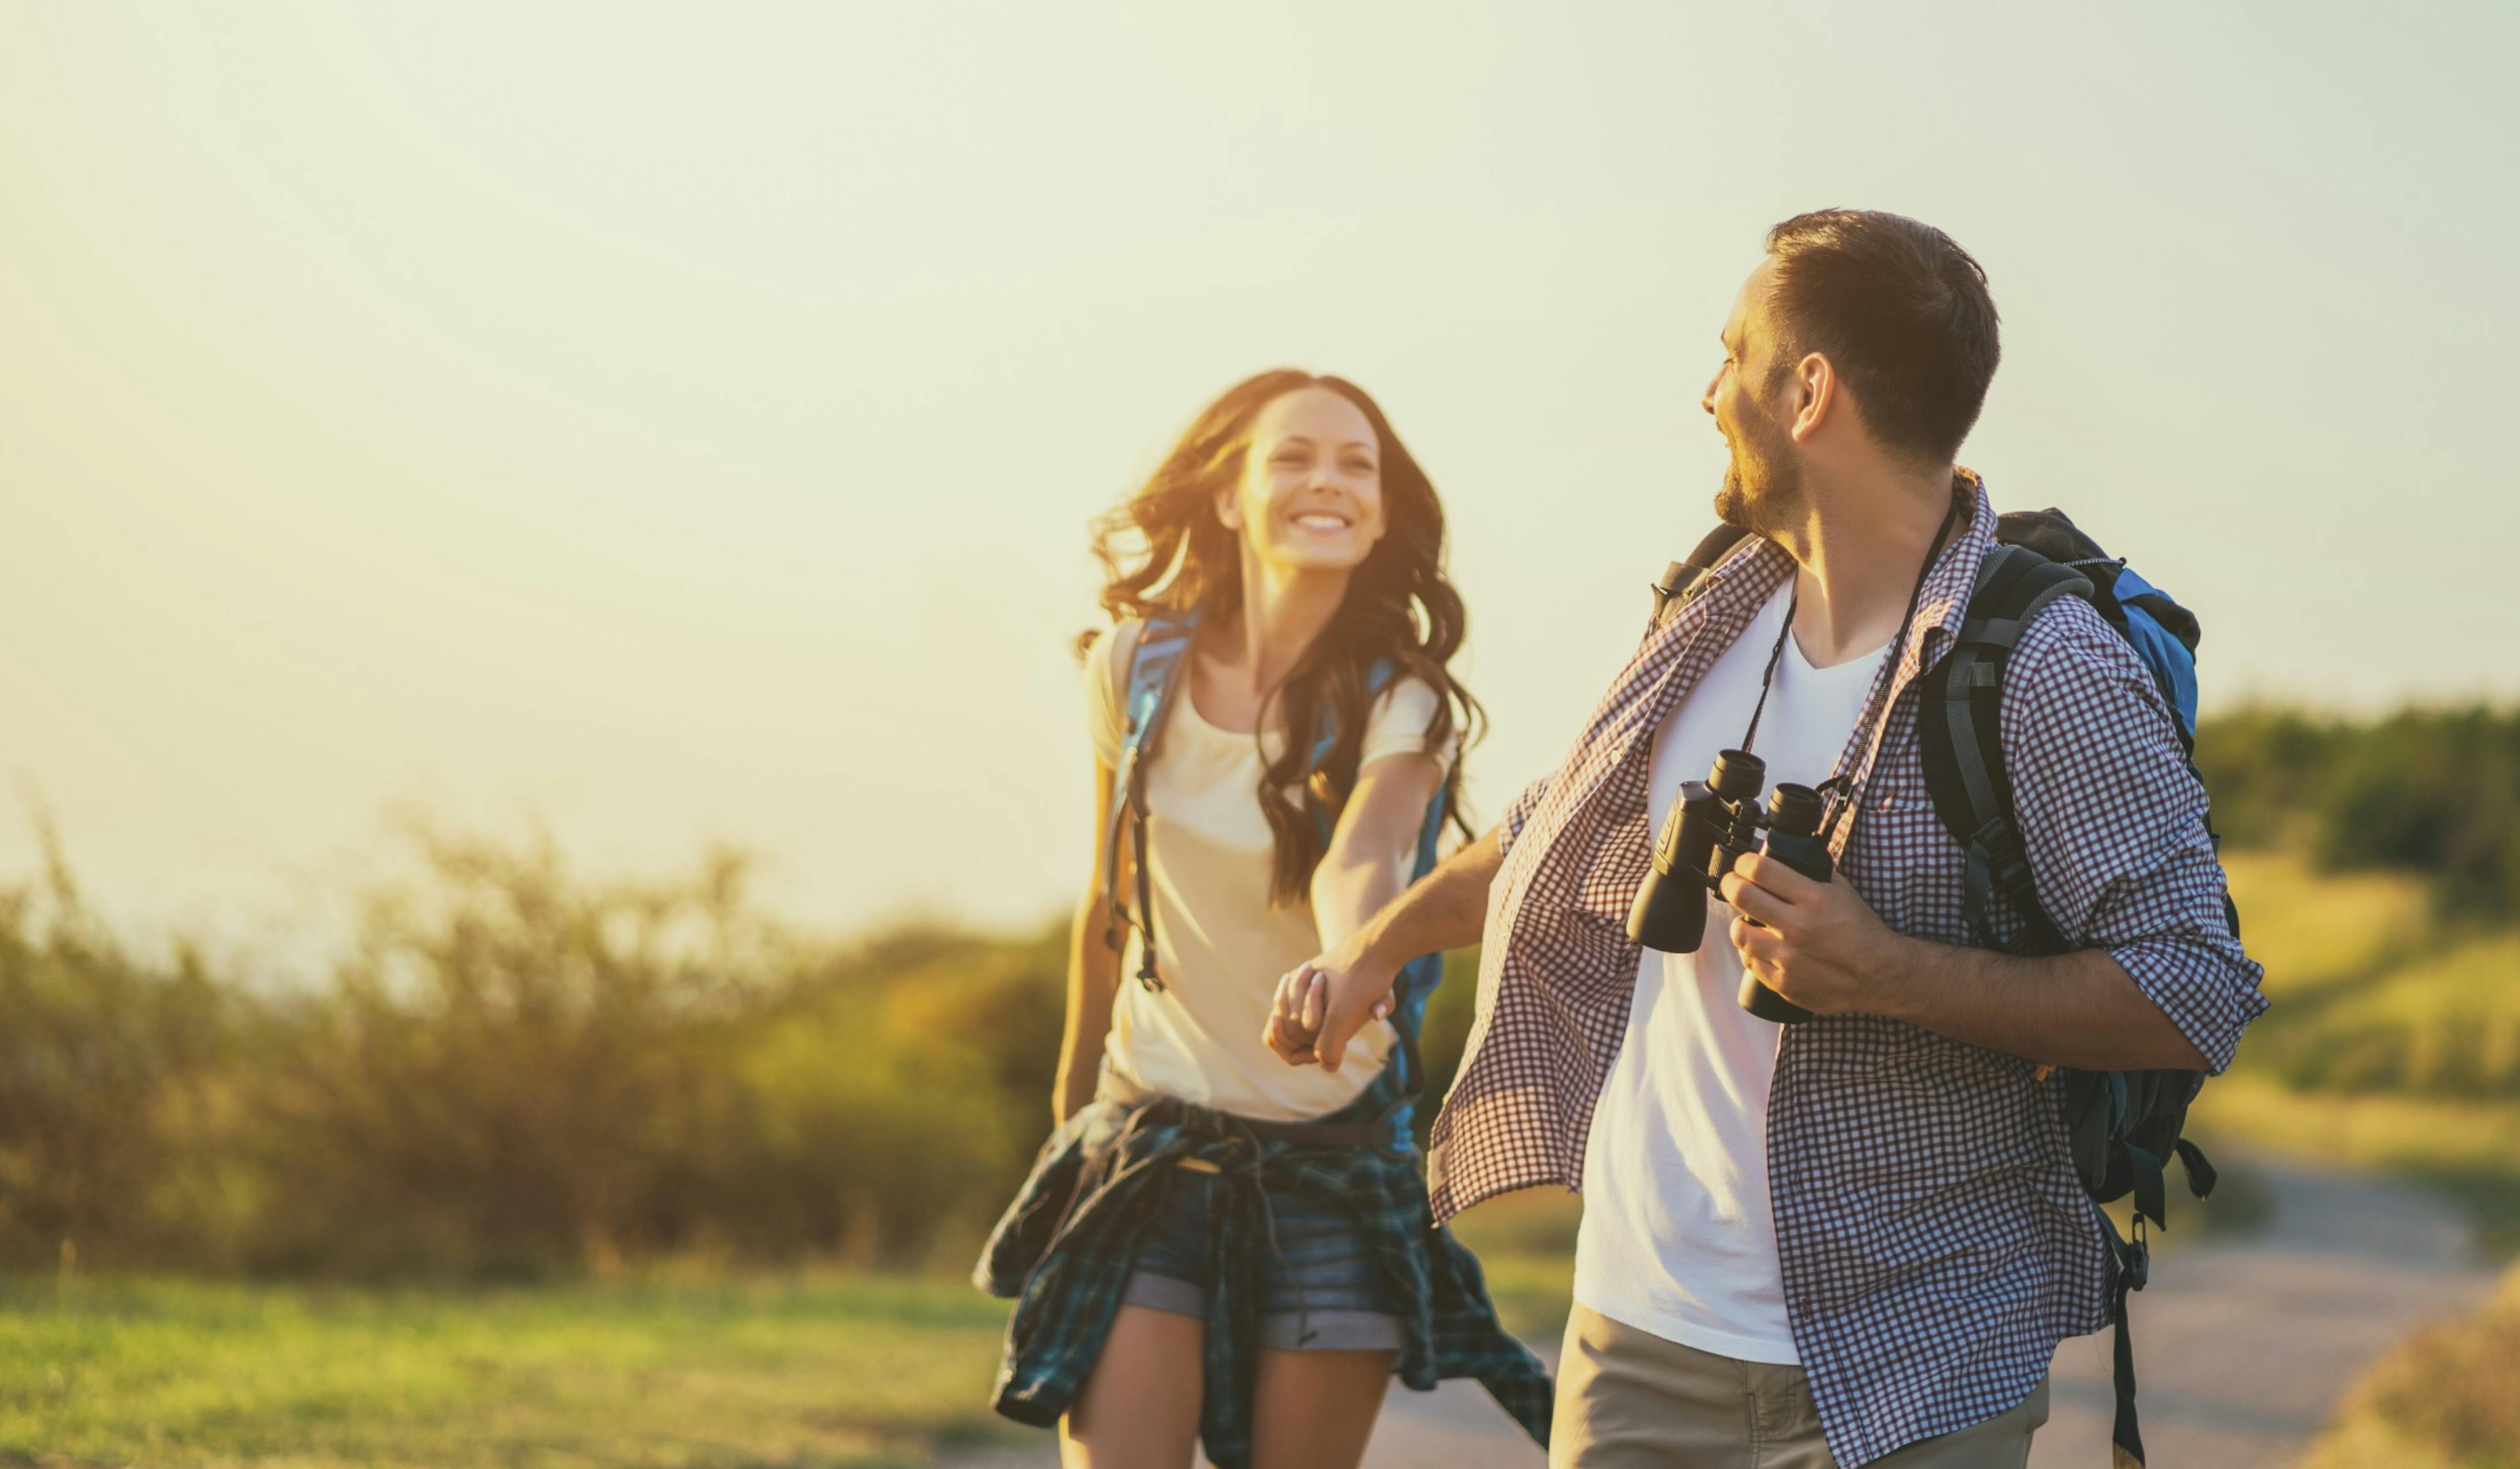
<point>662,426</point>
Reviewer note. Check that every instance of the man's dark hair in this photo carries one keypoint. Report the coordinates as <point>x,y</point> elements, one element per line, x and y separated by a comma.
<point>1900,310</point>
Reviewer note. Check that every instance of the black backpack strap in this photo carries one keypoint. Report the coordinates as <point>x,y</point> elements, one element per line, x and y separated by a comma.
<point>1156,665</point>
<point>2133,1266</point>
<point>1960,728</point>
<point>1679,578</point>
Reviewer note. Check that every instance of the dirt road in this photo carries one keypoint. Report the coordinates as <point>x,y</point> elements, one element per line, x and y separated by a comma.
<point>2243,1343</point>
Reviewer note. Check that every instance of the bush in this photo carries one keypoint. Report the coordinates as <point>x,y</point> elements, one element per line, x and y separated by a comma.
<point>508,1071</point>
<point>2450,1399</point>
<point>516,1073</point>
<point>2435,791</point>
<point>110,1074</point>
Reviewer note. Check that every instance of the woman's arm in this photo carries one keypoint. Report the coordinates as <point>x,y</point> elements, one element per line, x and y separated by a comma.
<point>1371,848</point>
<point>1366,867</point>
<point>1324,1002</point>
<point>1093,973</point>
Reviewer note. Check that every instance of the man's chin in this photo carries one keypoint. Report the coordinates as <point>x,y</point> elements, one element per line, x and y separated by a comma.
<point>1733,504</point>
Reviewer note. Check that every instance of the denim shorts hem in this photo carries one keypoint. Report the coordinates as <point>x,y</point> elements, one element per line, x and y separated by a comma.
<point>1280,1331</point>
<point>1161,1292</point>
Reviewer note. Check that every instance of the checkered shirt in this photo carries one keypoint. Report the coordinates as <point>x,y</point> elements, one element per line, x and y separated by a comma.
<point>1066,1248</point>
<point>1934,1242</point>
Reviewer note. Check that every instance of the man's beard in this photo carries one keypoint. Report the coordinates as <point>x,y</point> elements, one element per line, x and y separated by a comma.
<point>1762,485</point>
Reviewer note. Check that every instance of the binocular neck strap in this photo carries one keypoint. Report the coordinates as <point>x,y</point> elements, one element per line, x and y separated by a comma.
<point>1899,642</point>
<point>1767,679</point>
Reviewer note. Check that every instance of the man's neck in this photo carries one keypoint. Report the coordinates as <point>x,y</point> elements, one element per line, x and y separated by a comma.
<point>1859,546</point>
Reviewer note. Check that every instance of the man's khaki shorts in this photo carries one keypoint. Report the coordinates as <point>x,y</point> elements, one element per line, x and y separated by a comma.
<point>1630,1400</point>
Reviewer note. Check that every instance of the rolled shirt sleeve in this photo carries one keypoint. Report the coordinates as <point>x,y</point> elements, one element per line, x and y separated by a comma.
<point>2113,821</point>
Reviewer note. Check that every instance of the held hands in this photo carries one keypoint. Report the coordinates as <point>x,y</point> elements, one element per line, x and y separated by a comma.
<point>1321,1005</point>
<point>1821,947</point>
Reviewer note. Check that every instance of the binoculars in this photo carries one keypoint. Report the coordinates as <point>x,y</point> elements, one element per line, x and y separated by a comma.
<point>1711,827</point>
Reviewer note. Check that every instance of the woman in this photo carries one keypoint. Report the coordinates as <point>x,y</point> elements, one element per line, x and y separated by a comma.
<point>1214,1244</point>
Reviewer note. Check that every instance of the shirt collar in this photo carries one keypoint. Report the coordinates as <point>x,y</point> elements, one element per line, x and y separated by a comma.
<point>1945,600</point>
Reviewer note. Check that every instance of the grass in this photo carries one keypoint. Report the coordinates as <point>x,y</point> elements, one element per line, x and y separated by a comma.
<point>830,1374</point>
<point>2393,1043</point>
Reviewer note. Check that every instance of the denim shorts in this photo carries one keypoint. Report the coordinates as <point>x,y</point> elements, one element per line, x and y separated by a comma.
<point>1318,1294</point>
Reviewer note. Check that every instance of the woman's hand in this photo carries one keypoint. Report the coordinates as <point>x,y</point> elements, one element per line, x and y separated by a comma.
<point>1321,1005</point>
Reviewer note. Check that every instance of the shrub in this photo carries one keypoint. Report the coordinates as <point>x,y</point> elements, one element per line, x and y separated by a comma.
<point>2435,791</point>
<point>110,1073</point>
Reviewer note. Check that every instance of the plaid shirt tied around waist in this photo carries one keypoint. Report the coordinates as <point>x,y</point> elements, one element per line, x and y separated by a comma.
<point>1064,1249</point>
<point>1935,1245</point>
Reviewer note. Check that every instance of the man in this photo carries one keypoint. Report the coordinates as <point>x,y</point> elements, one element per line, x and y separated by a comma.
<point>1856,1240</point>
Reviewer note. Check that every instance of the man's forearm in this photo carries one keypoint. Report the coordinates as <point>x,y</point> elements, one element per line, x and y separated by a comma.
<point>2079,1009</point>
<point>1444,910</point>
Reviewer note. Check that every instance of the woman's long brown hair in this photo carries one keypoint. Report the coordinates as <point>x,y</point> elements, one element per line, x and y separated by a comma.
<point>1164,551</point>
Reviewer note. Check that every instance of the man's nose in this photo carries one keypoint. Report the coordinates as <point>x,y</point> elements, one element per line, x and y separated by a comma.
<point>1706,400</point>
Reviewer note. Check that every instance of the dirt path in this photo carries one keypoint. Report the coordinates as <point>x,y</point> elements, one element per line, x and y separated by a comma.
<point>2242,1344</point>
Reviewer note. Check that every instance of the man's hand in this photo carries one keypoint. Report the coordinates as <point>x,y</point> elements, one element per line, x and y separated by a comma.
<point>1326,1001</point>
<point>1323,1002</point>
<point>1821,947</point>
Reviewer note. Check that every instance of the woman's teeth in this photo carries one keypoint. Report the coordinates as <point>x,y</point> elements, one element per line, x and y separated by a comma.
<point>1318,521</point>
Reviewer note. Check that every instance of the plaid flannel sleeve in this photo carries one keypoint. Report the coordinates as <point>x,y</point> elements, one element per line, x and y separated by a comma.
<point>1520,813</point>
<point>2114,824</point>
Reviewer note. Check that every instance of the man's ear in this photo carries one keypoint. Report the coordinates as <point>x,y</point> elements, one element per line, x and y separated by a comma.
<point>1817,391</point>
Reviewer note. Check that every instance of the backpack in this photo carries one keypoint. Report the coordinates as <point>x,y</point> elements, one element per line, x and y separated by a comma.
<point>2121,1127</point>
<point>1155,667</point>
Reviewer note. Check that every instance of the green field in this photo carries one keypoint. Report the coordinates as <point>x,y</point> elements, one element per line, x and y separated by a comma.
<point>806,1373</point>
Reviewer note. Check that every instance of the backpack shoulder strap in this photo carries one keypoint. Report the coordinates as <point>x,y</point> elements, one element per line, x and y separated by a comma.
<point>1679,578</point>
<point>1154,663</point>
<point>1155,666</point>
<point>1959,726</point>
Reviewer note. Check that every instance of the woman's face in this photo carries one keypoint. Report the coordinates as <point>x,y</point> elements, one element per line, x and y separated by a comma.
<point>1310,497</point>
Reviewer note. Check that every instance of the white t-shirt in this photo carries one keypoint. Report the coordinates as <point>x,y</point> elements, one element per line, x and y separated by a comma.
<point>1677,1237</point>
<point>1220,946</point>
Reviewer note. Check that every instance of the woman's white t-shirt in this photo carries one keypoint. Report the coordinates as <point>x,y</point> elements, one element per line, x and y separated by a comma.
<point>1220,946</point>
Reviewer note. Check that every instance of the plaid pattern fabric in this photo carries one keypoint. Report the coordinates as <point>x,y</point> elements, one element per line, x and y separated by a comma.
<point>1064,1249</point>
<point>1934,1243</point>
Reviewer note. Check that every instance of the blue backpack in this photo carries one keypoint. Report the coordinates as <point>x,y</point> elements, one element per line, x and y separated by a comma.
<point>1155,669</point>
<point>2121,1127</point>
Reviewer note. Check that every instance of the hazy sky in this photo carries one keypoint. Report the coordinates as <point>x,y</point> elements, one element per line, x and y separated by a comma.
<point>678,425</point>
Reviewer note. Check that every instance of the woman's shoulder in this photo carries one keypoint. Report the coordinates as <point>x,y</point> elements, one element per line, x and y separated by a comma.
<point>1106,679</point>
<point>1403,715</point>
<point>1405,697</point>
